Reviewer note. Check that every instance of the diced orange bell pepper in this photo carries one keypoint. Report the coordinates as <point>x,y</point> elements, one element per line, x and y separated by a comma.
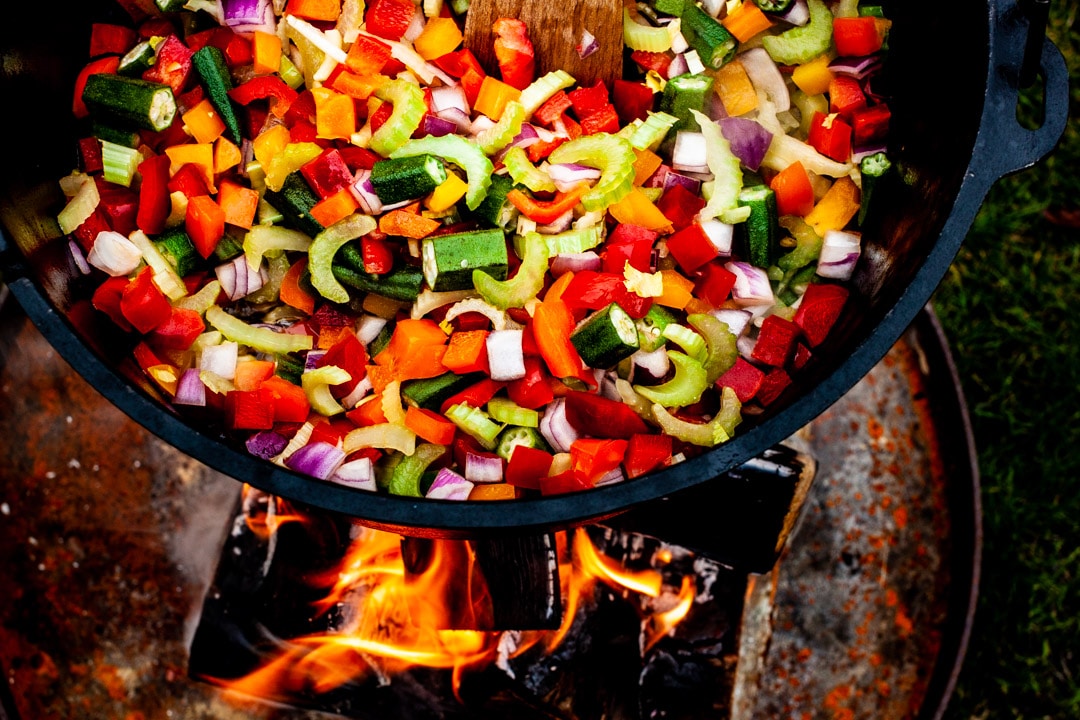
<point>493,96</point>
<point>250,374</point>
<point>265,52</point>
<point>291,293</point>
<point>746,21</point>
<point>430,425</point>
<point>637,209</point>
<point>836,207</point>
<point>334,207</point>
<point>407,224</point>
<point>467,352</point>
<point>238,202</point>
<point>678,290</point>
<point>736,91</point>
<point>335,114</point>
<point>203,122</point>
<point>441,35</point>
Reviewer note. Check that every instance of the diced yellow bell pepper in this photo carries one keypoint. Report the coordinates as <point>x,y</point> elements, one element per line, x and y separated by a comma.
<point>646,164</point>
<point>813,78</point>
<point>199,154</point>
<point>637,209</point>
<point>736,91</point>
<point>226,155</point>
<point>678,290</point>
<point>269,143</point>
<point>836,207</point>
<point>440,36</point>
<point>335,114</point>
<point>493,96</point>
<point>447,194</point>
<point>203,122</point>
<point>291,158</point>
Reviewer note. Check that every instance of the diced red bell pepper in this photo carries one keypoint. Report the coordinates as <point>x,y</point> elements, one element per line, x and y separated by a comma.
<point>107,298</point>
<point>329,431</point>
<point>775,341</point>
<point>629,243</point>
<point>377,255</point>
<point>205,224</point>
<point>845,96</point>
<point>587,100</point>
<point>680,206</point>
<point>600,417</point>
<point>178,332</point>
<point>235,48</point>
<point>658,62</point>
<point>154,202</point>
<point>381,115</point>
<point>458,62</point>
<point>300,109</point>
<point>188,180</point>
<point>604,120</point>
<point>389,18</point>
<point>532,391</point>
<point>88,231</point>
<point>593,290</point>
<point>120,204</point>
<point>143,304</point>
<point>856,36</point>
<point>691,247</point>
<point>527,466</point>
<point>819,309</point>
<point>289,401</point>
<point>565,482</point>
<point>647,452</point>
<point>595,457</point>
<point>90,154</point>
<point>775,382</point>
<point>714,283</point>
<point>349,354</point>
<point>514,52</point>
<point>173,66</point>
<point>261,87</point>
<point>250,409</point>
<point>111,39</point>
<point>830,136</point>
<point>153,26</point>
<point>632,100</point>
<point>475,395</point>
<point>106,65</point>
<point>871,124</point>
<point>358,158</point>
<point>145,357</point>
<point>744,378</point>
<point>327,173</point>
<point>367,56</point>
<point>552,109</point>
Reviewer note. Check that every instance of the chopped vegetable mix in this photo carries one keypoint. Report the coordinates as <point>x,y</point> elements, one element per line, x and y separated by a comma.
<point>376,262</point>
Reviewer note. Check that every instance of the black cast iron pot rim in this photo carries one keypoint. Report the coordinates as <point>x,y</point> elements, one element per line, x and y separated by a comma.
<point>421,517</point>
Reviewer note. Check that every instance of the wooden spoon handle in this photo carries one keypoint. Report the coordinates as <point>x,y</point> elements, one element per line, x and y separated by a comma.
<point>555,29</point>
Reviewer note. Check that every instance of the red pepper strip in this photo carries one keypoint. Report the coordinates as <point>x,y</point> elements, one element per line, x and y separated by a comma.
<point>458,62</point>
<point>532,391</point>
<point>527,466</point>
<point>106,65</point>
<point>154,202</point>
<point>605,120</point>
<point>143,304</point>
<point>845,96</point>
<point>600,417</point>
<point>542,212</point>
<point>107,299</point>
<point>553,322</point>
<point>377,255</point>
<point>870,124</point>
<point>349,354</point>
<point>90,154</point>
<point>552,109</point>
<point>658,62</point>
<point>646,452</point>
<point>265,86</point>
<point>830,136</point>
<point>250,409</point>
<point>514,52</point>
<point>475,395</point>
<point>596,290</point>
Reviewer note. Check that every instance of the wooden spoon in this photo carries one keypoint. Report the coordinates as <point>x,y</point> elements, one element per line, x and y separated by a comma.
<point>555,29</point>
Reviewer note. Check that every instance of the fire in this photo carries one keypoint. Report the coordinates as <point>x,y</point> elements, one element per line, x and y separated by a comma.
<point>264,514</point>
<point>399,611</point>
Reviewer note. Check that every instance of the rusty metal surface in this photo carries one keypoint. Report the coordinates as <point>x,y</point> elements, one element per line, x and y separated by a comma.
<point>109,539</point>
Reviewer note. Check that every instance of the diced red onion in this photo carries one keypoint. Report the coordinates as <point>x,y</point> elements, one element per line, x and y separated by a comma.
<point>319,459</point>
<point>748,138</point>
<point>608,388</point>
<point>460,118</point>
<point>558,225</point>
<point>863,151</point>
<point>659,178</point>
<point>797,14</point>
<point>359,474</point>
<point>416,26</point>
<point>615,475</point>
<point>506,358</point>
<point>483,468</point>
<point>437,126</point>
<point>556,429</point>
<point>566,176</point>
<point>714,107</point>
<point>266,444</point>
<point>220,359</point>
<point>745,345</point>
<point>247,16</point>
<point>677,67</point>
<point>688,154</point>
<point>532,134</point>
<point>79,258</point>
<point>575,262</point>
<point>190,389</point>
<point>312,358</point>
<point>672,178</point>
<point>114,254</point>
<point>752,286</point>
<point>655,364</point>
<point>448,485</point>
<point>449,97</point>
<point>857,67</point>
<point>368,328</point>
<point>480,124</point>
<point>588,44</point>
<point>765,76</point>
<point>364,193</point>
<point>238,279</point>
<point>839,252</point>
<point>721,235</point>
<point>360,391</point>
<point>736,320</point>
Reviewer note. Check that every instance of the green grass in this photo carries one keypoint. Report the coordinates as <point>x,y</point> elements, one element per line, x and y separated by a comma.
<point>1011,310</point>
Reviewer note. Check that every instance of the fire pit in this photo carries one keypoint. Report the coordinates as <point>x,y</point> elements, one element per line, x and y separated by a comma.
<point>142,584</point>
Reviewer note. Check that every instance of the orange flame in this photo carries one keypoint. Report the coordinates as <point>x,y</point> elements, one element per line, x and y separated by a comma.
<point>397,618</point>
<point>264,514</point>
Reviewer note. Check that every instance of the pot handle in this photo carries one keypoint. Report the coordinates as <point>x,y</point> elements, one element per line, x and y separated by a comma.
<point>1018,42</point>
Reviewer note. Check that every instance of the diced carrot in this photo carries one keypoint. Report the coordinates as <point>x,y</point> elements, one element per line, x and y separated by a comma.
<point>291,293</point>
<point>429,425</point>
<point>334,207</point>
<point>645,165</point>
<point>746,21</point>
<point>559,286</point>
<point>380,376</point>
<point>467,352</point>
<point>406,224</point>
<point>250,374</point>
<point>239,203</point>
<point>266,52</point>
<point>736,91</point>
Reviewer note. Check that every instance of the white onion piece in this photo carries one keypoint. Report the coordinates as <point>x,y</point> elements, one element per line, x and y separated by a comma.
<point>765,76</point>
<point>752,286</point>
<point>480,124</point>
<point>190,389</point>
<point>447,97</point>
<point>220,359</point>
<point>361,390</point>
<point>797,14</point>
<point>745,345</point>
<point>460,118</point>
<point>615,475</point>
<point>736,320</point>
<point>359,474</point>
<point>839,253</point>
<point>368,328</point>
<point>721,235</point>
<point>114,254</point>
<point>238,279</point>
<point>506,357</point>
<point>556,429</point>
<point>566,176</point>
<point>483,468</point>
<point>416,26</point>
<point>688,154</point>
<point>588,45</point>
<point>655,363</point>
<point>448,485</point>
<point>678,66</point>
<point>558,225</point>
<point>713,7</point>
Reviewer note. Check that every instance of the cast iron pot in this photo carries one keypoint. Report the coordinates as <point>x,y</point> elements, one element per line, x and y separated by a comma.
<point>953,77</point>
